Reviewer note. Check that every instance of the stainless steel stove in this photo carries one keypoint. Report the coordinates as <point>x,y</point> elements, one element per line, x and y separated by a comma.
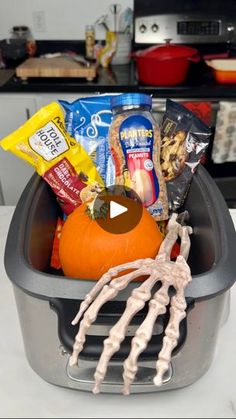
<point>184,21</point>
<point>209,26</point>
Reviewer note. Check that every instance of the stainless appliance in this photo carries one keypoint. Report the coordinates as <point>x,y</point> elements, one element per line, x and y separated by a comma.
<point>211,28</point>
<point>47,302</point>
<point>184,21</point>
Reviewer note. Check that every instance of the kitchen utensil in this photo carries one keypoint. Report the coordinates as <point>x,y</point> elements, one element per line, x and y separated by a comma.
<point>102,21</point>
<point>115,10</point>
<point>165,65</point>
<point>125,20</point>
<point>123,48</point>
<point>223,69</point>
<point>55,67</point>
<point>47,302</point>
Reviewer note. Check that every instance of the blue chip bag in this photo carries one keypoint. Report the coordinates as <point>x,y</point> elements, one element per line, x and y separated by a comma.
<point>88,121</point>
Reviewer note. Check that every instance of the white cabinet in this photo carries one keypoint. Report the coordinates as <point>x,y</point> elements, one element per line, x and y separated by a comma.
<point>14,173</point>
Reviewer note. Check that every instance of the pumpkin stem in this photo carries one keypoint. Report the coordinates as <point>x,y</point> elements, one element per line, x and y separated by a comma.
<point>99,211</point>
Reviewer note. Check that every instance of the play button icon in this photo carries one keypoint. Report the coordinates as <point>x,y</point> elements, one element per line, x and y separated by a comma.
<point>120,212</point>
<point>116,209</point>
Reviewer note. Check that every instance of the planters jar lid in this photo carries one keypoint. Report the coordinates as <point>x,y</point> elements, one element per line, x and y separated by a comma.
<point>127,99</point>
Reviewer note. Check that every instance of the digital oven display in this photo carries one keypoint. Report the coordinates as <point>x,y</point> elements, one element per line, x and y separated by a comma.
<point>198,28</point>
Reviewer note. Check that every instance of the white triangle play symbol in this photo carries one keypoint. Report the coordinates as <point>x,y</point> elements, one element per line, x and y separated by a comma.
<point>116,209</point>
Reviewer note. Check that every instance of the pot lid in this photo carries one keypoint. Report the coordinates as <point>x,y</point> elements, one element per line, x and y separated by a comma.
<point>167,51</point>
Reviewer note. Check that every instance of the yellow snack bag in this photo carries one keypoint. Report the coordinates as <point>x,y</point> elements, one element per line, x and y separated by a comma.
<point>44,143</point>
<point>109,50</point>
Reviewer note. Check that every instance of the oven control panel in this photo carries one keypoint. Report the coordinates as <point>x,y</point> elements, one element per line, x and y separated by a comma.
<point>183,29</point>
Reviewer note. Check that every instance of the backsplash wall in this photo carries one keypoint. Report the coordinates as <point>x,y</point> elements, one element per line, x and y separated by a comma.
<point>55,19</point>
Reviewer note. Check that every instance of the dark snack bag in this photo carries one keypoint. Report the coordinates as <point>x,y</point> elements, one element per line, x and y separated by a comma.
<point>185,139</point>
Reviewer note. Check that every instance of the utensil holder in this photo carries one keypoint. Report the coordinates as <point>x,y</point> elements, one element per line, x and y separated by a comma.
<point>123,49</point>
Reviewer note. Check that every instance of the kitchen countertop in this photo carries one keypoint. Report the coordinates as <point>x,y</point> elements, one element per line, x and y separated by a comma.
<point>122,78</point>
<point>24,394</point>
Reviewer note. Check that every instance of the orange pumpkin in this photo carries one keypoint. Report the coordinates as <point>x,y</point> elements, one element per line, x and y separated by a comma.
<point>87,251</point>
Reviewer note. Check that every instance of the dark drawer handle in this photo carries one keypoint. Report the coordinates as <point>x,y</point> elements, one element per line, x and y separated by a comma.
<point>27,111</point>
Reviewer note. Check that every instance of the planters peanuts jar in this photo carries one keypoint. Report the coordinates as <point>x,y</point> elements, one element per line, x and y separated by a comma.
<point>135,143</point>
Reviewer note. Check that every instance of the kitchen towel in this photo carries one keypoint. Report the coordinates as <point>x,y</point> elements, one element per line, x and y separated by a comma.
<point>224,144</point>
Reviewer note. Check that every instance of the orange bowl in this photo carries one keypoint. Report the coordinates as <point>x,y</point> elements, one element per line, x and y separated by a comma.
<point>225,77</point>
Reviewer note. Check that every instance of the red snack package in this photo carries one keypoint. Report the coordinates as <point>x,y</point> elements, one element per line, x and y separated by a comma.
<point>55,261</point>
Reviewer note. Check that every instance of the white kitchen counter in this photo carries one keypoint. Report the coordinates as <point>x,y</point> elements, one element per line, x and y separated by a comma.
<point>25,394</point>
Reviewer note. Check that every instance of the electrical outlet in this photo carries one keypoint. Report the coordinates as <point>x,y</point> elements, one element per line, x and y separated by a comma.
<point>39,21</point>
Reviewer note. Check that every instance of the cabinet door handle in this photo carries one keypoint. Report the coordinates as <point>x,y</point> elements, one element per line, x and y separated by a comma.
<point>27,111</point>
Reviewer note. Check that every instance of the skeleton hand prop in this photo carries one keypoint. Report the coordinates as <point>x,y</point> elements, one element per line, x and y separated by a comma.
<point>169,273</point>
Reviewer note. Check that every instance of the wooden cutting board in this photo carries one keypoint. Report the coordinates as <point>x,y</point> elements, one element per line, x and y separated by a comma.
<point>55,67</point>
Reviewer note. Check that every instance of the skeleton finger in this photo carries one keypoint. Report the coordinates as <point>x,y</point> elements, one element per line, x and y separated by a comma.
<point>170,239</point>
<point>183,217</point>
<point>184,233</point>
<point>177,314</point>
<point>157,306</point>
<point>108,292</point>
<point>105,279</point>
<point>112,344</point>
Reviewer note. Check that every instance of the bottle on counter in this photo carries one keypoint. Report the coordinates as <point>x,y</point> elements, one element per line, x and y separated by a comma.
<point>23,33</point>
<point>89,41</point>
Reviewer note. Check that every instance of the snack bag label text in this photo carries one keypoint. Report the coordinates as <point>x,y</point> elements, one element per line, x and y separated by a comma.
<point>48,142</point>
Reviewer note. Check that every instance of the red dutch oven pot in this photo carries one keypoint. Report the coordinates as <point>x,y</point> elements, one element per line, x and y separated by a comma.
<point>164,65</point>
